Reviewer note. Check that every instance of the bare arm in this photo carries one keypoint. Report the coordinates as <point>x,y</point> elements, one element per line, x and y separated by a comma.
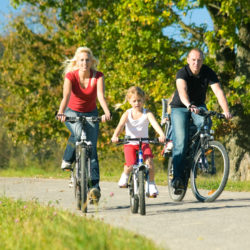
<point>101,98</point>
<point>221,99</point>
<point>182,90</point>
<point>156,126</point>
<point>67,86</point>
<point>120,127</point>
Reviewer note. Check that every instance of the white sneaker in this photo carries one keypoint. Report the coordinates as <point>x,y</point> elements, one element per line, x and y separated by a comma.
<point>153,191</point>
<point>170,146</point>
<point>167,148</point>
<point>66,165</point>
<point>123,182</point>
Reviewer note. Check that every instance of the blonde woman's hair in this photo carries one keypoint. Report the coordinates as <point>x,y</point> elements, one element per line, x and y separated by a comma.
<point>70,64</point>
<point>134,90</point>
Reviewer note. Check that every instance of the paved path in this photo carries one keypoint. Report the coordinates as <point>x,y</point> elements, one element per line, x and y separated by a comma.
<point>223,224</point>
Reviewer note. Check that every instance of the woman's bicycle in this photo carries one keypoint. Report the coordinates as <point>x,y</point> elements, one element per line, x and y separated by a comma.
<point>80,174</point>
<point>207,161</point>
<point>138,176</point>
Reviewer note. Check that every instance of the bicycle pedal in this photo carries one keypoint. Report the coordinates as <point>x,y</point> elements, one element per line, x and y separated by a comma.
<point>67,169</point>
<point>152,196</point>
<point>178,191</point>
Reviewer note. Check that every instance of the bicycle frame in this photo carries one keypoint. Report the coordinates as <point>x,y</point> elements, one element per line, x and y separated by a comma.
<point>81,174</point>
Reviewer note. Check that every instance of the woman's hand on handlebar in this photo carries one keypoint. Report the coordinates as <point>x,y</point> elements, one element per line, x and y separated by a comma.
<point>61,117</point>
<point>106,117</point>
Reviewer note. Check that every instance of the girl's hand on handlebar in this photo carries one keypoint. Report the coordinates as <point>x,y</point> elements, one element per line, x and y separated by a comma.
<point>114,139</point>
<point>162,138</point>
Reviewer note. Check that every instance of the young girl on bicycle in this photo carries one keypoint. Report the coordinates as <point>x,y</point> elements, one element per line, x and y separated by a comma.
<point>136,121</point>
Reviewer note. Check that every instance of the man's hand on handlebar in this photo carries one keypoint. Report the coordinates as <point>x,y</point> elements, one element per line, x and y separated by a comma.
<point>227,115</point>
<point>193,108</point>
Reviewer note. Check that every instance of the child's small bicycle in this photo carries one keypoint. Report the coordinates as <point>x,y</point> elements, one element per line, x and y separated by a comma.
<point>140,173</point>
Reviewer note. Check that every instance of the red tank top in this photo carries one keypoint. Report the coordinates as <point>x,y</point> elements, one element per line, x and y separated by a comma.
<point>83,100</point>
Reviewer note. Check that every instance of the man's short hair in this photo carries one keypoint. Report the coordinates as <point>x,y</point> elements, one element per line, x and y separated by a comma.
<point>198,50</point>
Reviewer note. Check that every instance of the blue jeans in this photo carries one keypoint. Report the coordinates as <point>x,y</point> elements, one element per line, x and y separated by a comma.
<point>180,118</point>
<point>91,130</point>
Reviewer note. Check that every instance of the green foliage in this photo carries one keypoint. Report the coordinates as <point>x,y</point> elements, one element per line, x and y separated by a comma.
<point>28,225</point>
<point>127,37</point>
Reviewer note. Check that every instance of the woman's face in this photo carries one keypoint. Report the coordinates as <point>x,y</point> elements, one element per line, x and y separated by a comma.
<point>84,61</point>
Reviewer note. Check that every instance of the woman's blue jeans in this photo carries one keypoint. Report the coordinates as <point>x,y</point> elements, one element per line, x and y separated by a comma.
<point>180,118</point>
<point>91,130</point>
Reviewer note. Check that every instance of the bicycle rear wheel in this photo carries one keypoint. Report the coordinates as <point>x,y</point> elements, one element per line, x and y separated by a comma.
<point>142,204</point>
<point>171,190</point>
<point>210,172</point>
<point>134,199</point>
<point>83,180</point>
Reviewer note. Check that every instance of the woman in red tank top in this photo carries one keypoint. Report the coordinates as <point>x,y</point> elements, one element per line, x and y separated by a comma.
<point>83,84</point>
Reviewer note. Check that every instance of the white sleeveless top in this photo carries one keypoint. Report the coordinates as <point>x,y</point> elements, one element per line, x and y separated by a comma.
<point>136,128</point>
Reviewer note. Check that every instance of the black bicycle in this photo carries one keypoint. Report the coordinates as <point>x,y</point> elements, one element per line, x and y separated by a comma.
<point>81,172</point>
<point>138,176</point>
<point>207,161</point>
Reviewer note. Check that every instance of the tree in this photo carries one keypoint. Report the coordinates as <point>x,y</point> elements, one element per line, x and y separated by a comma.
<point>127,36</point>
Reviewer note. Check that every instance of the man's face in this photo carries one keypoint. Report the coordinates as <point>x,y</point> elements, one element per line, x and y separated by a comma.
<point>195,61</point>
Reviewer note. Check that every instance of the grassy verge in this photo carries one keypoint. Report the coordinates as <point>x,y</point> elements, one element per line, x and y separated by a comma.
<point>28,225</point>
<point>111,167</point>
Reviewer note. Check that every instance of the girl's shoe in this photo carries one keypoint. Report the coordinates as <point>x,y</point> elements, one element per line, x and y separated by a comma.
<point>153,191</point>
<point>123,182</point>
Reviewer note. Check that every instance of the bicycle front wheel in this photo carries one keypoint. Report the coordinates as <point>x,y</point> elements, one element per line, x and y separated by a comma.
<point>134,200</point>
<point>83,180</point>
<point>210,172</point>
<point>141,179</point>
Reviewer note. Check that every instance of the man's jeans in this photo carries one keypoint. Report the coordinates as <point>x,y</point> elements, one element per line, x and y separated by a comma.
<point>91,130</point>
<point>180,118</point>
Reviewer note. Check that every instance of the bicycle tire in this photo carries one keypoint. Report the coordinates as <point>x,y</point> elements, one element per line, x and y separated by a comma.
<point>170,176</point>
<point>209,178</point>
<point>83,180</point>
<point>142,205</point>
<point>134,200</point>
<point>77,190</point>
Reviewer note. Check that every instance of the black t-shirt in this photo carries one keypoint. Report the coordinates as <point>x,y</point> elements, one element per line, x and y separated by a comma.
<point>196,85</point>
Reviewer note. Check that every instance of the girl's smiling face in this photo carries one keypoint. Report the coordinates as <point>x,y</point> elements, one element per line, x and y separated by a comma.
<point>136,102</point>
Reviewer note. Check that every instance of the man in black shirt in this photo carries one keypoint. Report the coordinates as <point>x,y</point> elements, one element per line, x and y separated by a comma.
<point>192,82</point>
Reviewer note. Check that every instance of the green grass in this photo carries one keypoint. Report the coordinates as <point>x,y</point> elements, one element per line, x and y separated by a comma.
<point>28,225</point>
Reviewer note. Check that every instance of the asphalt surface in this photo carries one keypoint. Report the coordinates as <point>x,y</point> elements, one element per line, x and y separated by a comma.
<point>223,224</point>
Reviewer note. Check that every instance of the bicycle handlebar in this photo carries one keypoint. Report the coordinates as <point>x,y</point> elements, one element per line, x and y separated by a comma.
<point>149,140</point>
<point>82,118</point>
<point>203,112</point>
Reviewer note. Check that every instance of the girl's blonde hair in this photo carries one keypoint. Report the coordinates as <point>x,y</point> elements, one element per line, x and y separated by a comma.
<point>130,92</point>
<point>70,64</point>
<point>134,90</point>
